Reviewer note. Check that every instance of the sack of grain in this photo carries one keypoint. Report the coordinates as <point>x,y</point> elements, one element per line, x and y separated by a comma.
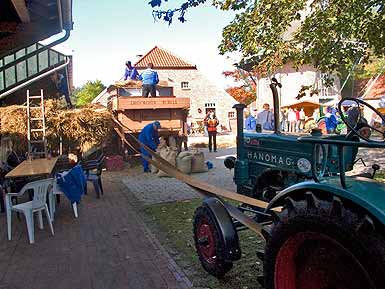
<point>198,162</point>
<point>183,162</point>
<point>169,154</point>
<point>162,143</point>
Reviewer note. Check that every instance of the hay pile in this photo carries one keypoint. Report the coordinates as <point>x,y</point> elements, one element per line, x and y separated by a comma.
<point>83,127</point>
<point>136,83</point>
<point>128,83</point>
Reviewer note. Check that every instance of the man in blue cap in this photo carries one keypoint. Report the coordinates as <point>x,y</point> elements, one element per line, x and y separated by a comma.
<point>149,136</point>
<point>251,122</point>
<point>130,72</point>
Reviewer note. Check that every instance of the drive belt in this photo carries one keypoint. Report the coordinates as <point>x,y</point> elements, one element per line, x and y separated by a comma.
<point>201,186</point>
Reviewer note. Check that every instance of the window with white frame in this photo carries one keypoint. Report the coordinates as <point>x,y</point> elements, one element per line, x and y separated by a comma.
<point>209,106</point>
<point>184,85</point>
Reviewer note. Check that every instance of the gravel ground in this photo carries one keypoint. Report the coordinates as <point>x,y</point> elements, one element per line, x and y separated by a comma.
<point>151,189</point>
<point>370,157</point>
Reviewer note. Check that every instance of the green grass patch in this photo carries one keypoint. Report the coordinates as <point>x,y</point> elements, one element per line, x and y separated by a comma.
<point>172,223</point>
<point>380,177</point>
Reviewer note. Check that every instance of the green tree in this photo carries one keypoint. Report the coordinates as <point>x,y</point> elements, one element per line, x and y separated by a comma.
<point>331,35</point>
<point>85,94</point>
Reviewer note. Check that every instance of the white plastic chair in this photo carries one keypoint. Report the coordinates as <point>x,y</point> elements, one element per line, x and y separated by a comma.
<point>38,204</point>
<point>52,202</point>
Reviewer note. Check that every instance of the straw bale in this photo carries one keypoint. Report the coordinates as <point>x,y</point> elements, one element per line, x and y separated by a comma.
<point>83,127</point>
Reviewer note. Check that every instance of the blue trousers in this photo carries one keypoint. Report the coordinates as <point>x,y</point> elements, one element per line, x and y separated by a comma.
<point>144,152</point>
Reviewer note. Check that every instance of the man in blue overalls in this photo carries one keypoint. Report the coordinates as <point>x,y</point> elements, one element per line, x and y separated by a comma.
<point>149,136</point>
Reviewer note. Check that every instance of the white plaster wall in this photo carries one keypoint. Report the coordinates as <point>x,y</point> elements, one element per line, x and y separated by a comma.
<point>368,113</point>
<point>291,81</point>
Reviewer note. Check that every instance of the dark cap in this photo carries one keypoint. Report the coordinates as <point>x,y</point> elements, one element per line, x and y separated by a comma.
<point>157,123</point>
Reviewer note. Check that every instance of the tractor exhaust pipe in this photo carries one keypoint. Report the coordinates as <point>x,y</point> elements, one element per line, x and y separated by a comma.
<point>239,108</point>
<point>273,87</point>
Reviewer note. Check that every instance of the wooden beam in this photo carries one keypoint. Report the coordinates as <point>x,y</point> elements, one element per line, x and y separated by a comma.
<point>28,34</point>
<point>21,10</point>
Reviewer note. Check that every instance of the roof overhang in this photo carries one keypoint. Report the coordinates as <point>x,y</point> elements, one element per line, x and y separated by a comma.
<point>302,103</point>
<point>23,23</point>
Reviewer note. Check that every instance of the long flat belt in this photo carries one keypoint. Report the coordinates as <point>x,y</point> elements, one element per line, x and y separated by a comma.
<point>200,186</point>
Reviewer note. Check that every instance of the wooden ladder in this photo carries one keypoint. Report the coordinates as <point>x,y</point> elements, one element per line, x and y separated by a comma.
<point>37,142</point>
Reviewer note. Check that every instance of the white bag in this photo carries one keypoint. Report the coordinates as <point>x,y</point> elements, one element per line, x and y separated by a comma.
<point>168,154</point>
<point>183,162</point>
<point>198,162</point>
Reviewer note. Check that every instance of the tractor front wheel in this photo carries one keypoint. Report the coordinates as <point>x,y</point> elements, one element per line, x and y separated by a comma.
<point>209,243</point>
<point>319,244</point>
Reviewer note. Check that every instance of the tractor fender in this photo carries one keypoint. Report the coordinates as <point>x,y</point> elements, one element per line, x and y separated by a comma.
<point>226,226</point>
<point>363,192</point>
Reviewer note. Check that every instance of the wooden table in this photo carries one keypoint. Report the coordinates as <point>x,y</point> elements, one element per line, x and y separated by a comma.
<point>37,167</point>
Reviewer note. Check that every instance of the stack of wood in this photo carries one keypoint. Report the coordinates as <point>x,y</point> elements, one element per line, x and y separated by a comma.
<point>80,128</point>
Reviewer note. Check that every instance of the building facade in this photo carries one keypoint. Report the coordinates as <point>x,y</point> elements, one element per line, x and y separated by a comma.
<point>292,81</point>
<point>188,81</point>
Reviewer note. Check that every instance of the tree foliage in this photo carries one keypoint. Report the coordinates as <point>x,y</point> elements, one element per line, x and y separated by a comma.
<point>330,35</point>
<point>245,92</point>
<point>370,69</point>
<point>85,94</point>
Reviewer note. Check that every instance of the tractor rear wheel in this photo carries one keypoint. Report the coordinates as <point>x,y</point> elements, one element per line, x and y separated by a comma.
<point>318,244</point>
<point>209,242</point>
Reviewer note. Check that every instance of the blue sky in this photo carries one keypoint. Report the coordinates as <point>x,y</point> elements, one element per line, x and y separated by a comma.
<point>107,33</point>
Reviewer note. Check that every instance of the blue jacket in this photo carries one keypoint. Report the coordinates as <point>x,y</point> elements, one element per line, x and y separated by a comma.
<point>131,73</point>
<point>331,121</point>
<point>72,183</point>
<point>63,85</point>
<point>251,123</point>
<point>149,76</point>
<point>149,136</point>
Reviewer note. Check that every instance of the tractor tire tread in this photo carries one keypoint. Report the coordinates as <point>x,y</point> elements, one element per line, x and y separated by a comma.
<point>349,224</point>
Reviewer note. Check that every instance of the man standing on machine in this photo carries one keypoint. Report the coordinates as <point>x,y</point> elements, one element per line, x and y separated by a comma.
<point>150,79</point>
<point>130,72</point>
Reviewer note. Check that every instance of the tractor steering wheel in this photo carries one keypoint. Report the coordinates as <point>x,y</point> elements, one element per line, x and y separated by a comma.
<point>355,128</point>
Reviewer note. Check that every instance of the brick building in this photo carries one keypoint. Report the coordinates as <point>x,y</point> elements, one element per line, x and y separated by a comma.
<point>187,81</point>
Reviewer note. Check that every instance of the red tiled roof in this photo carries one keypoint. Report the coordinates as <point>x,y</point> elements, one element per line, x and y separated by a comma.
<point>377,89</point>
<point>163,59</point>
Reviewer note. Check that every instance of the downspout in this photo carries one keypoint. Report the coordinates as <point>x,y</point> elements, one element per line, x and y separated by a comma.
<point>60,13</point>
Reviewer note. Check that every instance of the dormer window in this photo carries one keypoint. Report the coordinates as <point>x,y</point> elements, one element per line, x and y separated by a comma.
<point>184,85</point>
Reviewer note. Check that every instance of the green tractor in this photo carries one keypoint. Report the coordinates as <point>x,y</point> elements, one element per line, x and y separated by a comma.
<point>323,229</point>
